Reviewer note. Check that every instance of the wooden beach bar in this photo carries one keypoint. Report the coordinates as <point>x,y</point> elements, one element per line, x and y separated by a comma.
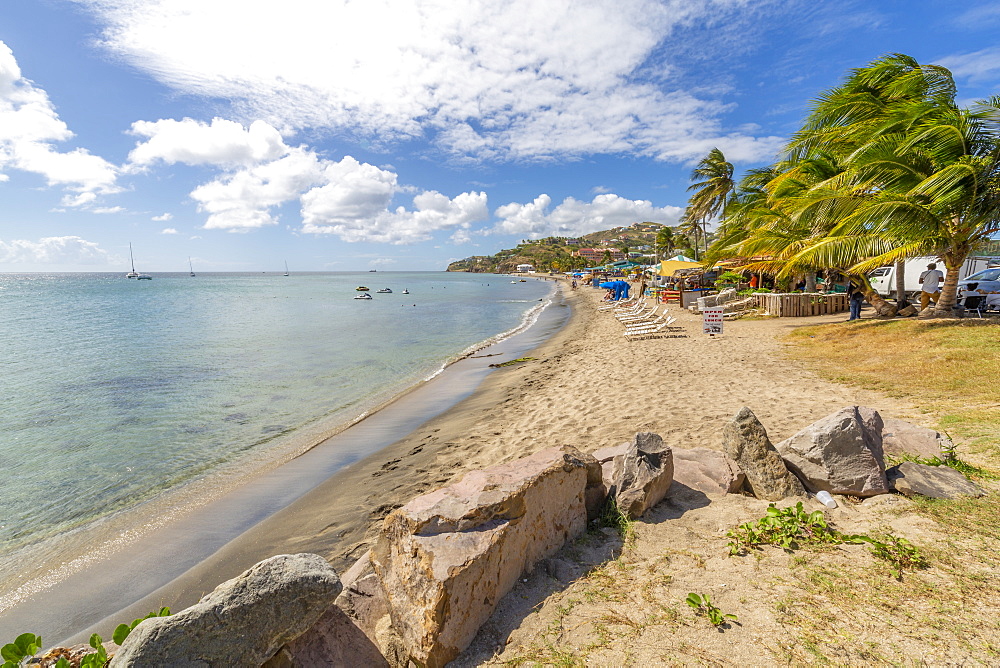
<point>798,304</point>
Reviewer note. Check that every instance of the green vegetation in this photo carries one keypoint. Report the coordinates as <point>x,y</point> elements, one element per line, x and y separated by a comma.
<point>948,368</point>
<point>614,518</point>
<point>26,645</point>
<point>556,253</point>
<point>702,605</point>
<point>887,166</point>
<point>519,360</point>
<point>788,528</point>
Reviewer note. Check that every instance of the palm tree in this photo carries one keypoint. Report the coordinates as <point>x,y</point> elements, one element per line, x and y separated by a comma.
<point>924,175</point>
<point>711,191</point>
<point>664,241</point>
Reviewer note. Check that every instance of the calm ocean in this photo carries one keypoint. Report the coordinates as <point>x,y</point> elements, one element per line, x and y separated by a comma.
<point>117,391</point>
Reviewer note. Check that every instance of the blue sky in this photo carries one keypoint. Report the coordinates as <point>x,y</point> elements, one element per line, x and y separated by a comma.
<point>341,136</point>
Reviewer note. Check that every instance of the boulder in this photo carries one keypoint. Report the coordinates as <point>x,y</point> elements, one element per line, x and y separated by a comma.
<point>900,437</point>
<point>334,640</point>
<point>641,475</point>
<point>606,458</point>
<point>243,622</point>
<point>907,311</point>
<point>446,558</point>
<point>708,471</point>
<point>840,454</point>
<point>363,598</point>
<point>937,482</point>
<point>745,441</point>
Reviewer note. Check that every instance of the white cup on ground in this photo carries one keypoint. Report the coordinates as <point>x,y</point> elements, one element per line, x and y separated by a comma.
<point>825,498</point>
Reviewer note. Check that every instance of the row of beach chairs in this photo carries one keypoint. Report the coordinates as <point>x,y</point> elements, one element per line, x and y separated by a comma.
<point>642,321</point>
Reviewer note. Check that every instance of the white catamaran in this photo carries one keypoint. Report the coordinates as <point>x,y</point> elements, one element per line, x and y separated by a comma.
<point>131,274</point>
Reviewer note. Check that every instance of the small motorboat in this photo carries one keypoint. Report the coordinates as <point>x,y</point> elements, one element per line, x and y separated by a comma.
<point>513,281</point>
<point>405,291</point>
<point>363,296</point>
<point>385,291</point>
<point>362,288</point>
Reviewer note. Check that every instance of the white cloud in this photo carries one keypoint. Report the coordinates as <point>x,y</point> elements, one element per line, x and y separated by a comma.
<point>260,173</point>
<point>108,209</point>
<point>71,250</point>
<point>244,199</point>
<point>162,218</point>
<point>512,80</point>
<point>574,217</point>
<point>600,190</point>
<point>195,143</point>
<point>29,126</point>
<point>978,66</point>
<point>168,230</point>
<point>382,262</point>
<point>361,213</point>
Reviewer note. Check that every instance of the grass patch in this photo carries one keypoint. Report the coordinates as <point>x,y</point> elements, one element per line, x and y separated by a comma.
<point>948,367</point>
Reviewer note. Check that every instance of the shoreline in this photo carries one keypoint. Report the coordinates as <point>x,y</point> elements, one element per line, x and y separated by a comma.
<point>202,523</point>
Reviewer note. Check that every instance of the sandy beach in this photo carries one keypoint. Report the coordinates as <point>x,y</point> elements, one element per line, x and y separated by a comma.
<point>587,387</point>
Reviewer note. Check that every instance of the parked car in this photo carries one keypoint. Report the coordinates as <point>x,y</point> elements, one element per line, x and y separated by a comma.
<point>981,290</point>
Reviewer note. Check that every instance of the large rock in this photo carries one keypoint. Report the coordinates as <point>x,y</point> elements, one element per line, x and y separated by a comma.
<point>244,622</point>
<point>447,558</point>
<point>708,471</point>
<point>641,475</point>
<point>334,640</point>
<point>937,482</point>
<point>900,437</point>
<point>745,441</point>
<point>840,454</point>
<point>363,597</point>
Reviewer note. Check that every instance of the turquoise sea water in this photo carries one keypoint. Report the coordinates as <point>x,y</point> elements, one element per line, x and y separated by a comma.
<point>116,391</point>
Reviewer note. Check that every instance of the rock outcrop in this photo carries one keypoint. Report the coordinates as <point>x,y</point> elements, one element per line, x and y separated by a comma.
<point>745,441</point>
<point>641,474</point>
<point>900,437</point>
<point>936,482</point>
<point>447,558</point>
<point>840,454</point>
<point>243,622</point>
<point>708,471</point>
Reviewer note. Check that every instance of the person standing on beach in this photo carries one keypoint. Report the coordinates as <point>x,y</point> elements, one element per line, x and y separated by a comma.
<point>930,282</point>
<point>855,299</point>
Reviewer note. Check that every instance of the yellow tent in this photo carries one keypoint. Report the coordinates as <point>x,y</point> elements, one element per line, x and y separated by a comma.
<point>668,267</point>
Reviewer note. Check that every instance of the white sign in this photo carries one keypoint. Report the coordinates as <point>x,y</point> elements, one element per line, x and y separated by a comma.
<point>713,320</point>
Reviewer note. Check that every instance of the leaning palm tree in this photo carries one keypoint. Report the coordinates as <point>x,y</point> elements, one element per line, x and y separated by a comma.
<point>924,174</point>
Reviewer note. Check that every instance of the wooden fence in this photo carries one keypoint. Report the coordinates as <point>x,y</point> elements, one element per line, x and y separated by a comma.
<point>797,304</point>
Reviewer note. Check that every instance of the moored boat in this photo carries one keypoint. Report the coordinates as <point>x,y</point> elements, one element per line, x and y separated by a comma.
<point>385,290</point>
<point>362,288</point>
<point>363,296</point>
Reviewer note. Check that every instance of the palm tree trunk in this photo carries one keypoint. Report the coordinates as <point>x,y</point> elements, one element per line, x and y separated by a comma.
<point>901,300</point>
<point>881,306</point>
<point>949,291</point>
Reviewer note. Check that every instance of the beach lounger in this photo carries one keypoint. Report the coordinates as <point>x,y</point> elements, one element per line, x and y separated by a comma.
<point>664,328</point>
<point>641,315</point>
<point>662,321</point>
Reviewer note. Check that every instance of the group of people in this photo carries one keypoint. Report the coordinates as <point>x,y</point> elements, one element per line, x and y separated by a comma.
<point>930,289</point>
<point>617,290</point>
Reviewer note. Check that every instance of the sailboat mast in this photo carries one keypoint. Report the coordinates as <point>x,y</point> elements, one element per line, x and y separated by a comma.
<point>131,259</point>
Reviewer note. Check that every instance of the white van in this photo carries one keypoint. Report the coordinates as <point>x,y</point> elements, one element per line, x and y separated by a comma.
<point>883,279</point>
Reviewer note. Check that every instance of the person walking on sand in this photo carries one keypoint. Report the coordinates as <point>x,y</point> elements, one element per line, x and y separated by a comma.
<point>930,282</point>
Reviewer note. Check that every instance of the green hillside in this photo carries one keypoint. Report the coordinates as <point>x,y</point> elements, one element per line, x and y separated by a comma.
<point>555,253</point>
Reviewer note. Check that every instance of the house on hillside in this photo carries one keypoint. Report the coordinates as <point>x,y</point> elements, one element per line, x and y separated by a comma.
<point>596,255</point>
<point>525,268</point>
